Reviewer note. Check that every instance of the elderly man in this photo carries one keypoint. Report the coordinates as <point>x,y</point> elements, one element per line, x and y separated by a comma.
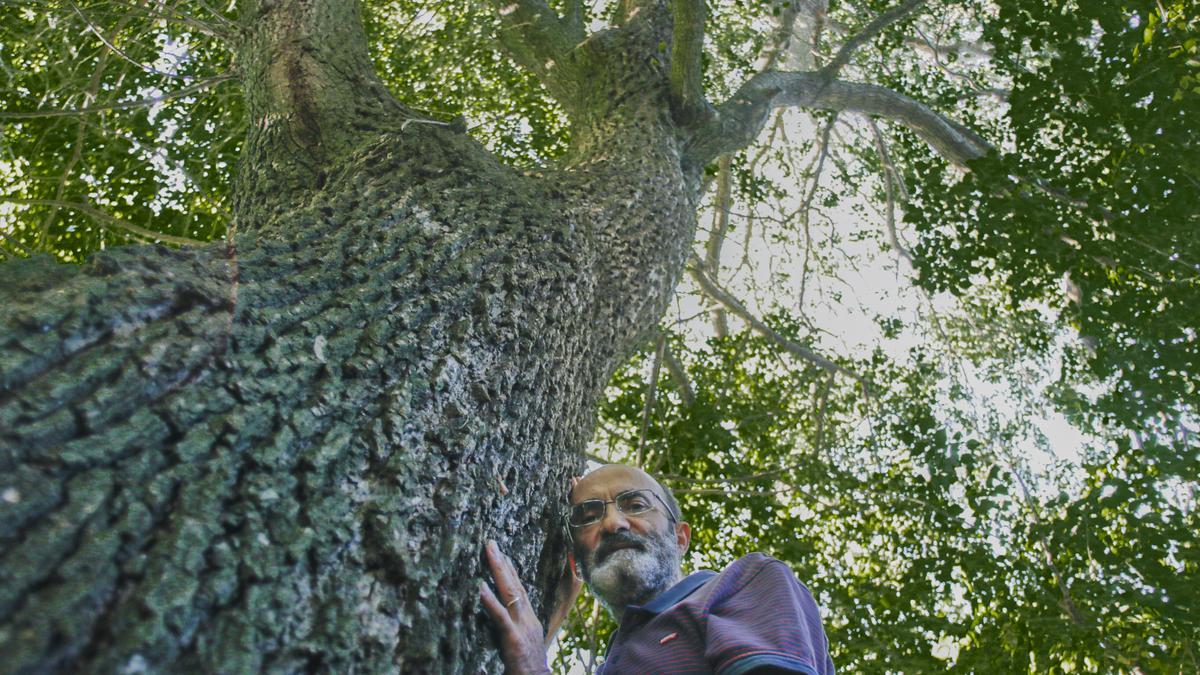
<point>753,617</point>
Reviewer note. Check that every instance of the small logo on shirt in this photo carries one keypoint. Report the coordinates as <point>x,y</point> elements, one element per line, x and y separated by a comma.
<point>668,638</point>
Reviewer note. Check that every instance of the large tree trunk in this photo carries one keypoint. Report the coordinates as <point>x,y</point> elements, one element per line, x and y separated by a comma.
<point>283,452</point>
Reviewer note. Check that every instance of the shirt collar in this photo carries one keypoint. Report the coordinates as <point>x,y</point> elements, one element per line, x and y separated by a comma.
<point>677,592</point>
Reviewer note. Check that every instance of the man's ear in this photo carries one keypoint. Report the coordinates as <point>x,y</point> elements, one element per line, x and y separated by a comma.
<point>683,536</point>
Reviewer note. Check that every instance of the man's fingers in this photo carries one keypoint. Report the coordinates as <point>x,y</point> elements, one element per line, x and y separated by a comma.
<point>507,582</point>
<point>521,639</point>
<point>494,607</point>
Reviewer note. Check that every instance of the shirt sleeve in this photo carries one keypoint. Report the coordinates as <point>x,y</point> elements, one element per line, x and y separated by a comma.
<point>770,623</point>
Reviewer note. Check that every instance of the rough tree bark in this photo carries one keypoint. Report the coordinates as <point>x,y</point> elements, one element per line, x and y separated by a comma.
<point>283,452</point>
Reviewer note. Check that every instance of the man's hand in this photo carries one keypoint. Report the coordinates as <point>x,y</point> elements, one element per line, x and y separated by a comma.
<point>564,594</point>
<point>565,591</point>
<point>522,643</point>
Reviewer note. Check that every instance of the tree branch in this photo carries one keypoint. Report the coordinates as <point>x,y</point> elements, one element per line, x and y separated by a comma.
<point>959,48</point>
<point>651,396</point>
<point>199,85</point>
<point>1067,603</point>
<point>81,128</point>
<point>889,178</point>
<point>574,18</point>
<point>109,43</point>
<point>740,118</point>
<point>777,46</point>
<point>712,253</point>
<point>106,218</point>
<point>534,34</point>
<point>999,94</point>
<point>731,303</point>
<point>805,210</point>
<point>687,47</point>
<point>868,33</point>
<point>677,372</point>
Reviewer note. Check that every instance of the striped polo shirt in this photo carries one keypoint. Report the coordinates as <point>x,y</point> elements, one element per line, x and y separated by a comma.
<point>755,614</point>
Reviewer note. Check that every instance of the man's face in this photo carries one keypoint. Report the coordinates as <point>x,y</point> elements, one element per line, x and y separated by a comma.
<point>626,560</point>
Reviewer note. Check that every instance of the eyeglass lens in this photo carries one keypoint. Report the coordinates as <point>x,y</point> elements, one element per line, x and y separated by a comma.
<point>630,503</point>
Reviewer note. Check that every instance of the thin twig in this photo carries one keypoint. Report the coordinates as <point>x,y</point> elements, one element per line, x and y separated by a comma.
<point>712,254</point>
<point>805,211</point>
<point>107,218</point>
<point>199,85</point>
<point>887,172</point>
<point>651,392</point>
<point>731,303</point>
<point>1068,602</point>
<point>935,53</point>
<point>733,493</point>
<point>232,24</point>
<point>677,372</point>
<point>819,439</point>
<point>89,95</point>
<point>186,19</point>
<point>746,478</point>
<point>118,51</point>
<point>831,69</point>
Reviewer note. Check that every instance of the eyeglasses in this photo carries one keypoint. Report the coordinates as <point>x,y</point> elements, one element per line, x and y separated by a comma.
<point>629,502</point>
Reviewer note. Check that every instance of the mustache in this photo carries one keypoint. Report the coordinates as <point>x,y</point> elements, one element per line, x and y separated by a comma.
<point>615,541</point>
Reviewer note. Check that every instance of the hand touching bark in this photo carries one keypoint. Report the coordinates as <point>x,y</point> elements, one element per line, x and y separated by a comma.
<point>564,592</point>
<point>522,643</point>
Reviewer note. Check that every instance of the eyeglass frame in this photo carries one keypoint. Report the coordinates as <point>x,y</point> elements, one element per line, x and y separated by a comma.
<point>571,527</point>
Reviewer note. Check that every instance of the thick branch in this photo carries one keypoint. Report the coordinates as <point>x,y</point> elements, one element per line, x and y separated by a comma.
<point>312,99</point>
<point>740,118</point>
<point>534,34</point>
<point>687,48</point>
<point>307,65</point>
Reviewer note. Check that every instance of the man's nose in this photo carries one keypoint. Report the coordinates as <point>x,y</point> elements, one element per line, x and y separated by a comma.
<point>614,520</point>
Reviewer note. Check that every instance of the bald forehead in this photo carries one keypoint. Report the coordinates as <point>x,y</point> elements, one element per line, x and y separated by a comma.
<point>612,479</point>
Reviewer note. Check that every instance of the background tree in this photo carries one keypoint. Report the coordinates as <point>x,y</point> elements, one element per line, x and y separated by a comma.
<point>283,449</point>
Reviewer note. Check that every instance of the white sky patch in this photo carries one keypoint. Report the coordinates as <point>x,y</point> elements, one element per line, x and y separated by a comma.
<point>173,54</point>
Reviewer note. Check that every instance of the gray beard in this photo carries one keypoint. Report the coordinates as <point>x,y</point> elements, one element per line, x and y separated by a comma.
<point>632,576</point>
